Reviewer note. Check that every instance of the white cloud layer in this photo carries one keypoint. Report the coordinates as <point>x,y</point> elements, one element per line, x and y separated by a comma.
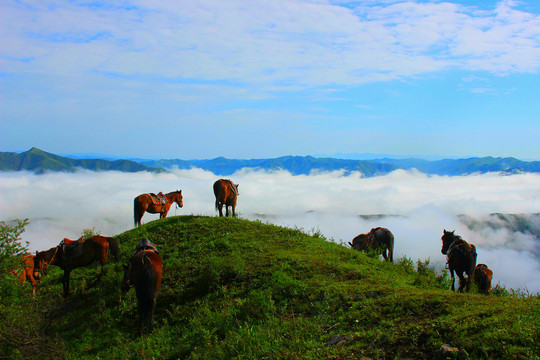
<point>63,205</point>
<point>286,42</point>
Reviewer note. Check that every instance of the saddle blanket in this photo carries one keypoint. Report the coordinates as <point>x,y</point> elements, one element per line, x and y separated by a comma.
<point>158,199</point>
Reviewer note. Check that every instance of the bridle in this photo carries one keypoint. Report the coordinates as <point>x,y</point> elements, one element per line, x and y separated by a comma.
<point>47,263</point>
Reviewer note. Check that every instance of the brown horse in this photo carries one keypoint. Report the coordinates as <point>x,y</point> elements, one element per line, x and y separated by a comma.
<point>144,272</point>
<point>226,193</point>
<point>72,254</point>
<point>461,258</point>
<point>31,271</point>
<point>482,277</point>
<point>377,239</point>
<point>151,203</point>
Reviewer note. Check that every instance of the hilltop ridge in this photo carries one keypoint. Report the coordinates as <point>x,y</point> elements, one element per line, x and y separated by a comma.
<point>235,288</point>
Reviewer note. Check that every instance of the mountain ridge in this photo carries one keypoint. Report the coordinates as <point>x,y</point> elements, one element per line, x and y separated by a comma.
<point>40,161</point>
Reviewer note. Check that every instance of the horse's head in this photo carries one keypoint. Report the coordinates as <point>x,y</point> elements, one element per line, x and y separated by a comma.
<point>38,264</point>
<point>45,258</point>
<point>179,199</point>
<point>361,242</point>
<point>447,240</point>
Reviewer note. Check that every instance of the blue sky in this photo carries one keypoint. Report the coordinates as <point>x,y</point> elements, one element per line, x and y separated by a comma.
<point>201,79</point>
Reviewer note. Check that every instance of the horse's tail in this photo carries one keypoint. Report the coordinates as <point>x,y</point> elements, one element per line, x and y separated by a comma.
<point>390,246</point>
<point>135,211</point>
<point>473,258</point>
<point>217,193</point>
<point>113,245</point>
<point>146,289</point>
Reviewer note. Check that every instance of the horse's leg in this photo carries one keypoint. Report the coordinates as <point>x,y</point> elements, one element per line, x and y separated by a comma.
<point>65,282</point>
<point>33,281</point>
<point>103,260</point>
<point>220,208</point>
<point>226,210</point>
<point>466,281</point>
<point>163,214</point>
<point>233,210</point>
<point>452,278</point>
<point>462,281</point>
<point>138,218</point>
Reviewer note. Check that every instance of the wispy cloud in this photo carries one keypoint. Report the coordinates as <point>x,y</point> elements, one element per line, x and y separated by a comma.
<point>280,42</point>
<point>62,205</point>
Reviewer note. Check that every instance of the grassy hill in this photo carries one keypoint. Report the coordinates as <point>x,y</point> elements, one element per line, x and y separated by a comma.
<point>237,289</point>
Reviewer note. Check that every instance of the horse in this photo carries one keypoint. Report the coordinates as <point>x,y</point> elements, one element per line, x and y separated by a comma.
<point>72,254</point>
<point>151,203</point>
<point>461,258</point>
<point>482,276</point>
<point>31,271</point>
<point>226,193</point>
<point>378,238</point>
<point>144,272</point>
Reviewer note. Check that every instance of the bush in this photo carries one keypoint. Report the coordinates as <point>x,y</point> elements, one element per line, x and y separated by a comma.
<point>10,243</point>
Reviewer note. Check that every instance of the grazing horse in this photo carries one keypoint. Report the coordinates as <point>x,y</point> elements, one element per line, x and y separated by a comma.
<point>72,254</point>
<point>153,203</point>
<point>378,238</point>
<point>31,271</point>
<point>461,258</point>
<point>482,276</point>
<point>226,193</point>
<point>144,272</point>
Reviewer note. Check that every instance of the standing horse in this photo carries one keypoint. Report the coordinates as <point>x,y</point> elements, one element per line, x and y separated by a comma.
<point>144,272</point>
<point>31,271</point>
<point>226,193</point>
<point>72,254</point>
<point>482,277</point>
<point>461,258</point>
<point>377,239</point>
<point>152,204</point>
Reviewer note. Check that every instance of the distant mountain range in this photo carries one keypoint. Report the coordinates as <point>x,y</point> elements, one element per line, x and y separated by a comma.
<point>40,161</point>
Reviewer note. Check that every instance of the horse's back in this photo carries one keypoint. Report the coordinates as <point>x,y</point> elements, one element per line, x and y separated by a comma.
<point>383,233</point>
<point>148,262</point>
<point>384,236</point>
<point>483,276</point>
<point>221,189</point>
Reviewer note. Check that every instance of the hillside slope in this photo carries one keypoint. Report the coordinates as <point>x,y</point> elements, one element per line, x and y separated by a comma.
<point>234,288</point>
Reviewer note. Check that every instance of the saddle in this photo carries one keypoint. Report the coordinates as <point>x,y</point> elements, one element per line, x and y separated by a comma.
<point>145,244</point>
<point>158,199</point>
<point>462,247</point>
<point>72,248</point>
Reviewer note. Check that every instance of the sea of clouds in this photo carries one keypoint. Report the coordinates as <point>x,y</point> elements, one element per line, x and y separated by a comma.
<point>414,206</point>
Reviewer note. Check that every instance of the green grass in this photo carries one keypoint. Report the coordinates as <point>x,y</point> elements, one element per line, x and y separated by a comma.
<point>239,289</point>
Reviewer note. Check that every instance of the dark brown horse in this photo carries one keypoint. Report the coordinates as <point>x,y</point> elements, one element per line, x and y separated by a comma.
<point>461,258</point>
<point>144,272</point>
<point>72,254</point>
<point>377,239</point>
<point>31,271</point>
<point>154,204</point>
<point>482,278</point>
<point>226,193</point>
